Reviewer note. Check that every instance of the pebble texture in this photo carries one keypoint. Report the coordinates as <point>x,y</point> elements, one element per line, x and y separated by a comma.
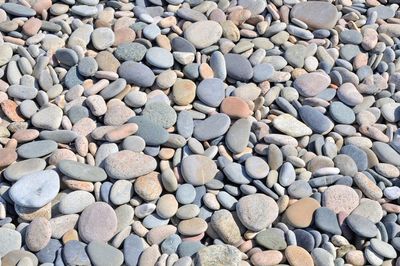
<point>205,133</point>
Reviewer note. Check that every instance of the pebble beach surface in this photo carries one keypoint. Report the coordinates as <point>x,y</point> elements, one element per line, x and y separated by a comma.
<point>194,132</point>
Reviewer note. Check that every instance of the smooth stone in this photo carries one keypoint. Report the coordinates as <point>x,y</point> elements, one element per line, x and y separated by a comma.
<point>317,15</point>
<point>133,248</point>
<point>48,253</point>
<point>48,118</point>
<point>272,238</point>
<point>10,240</point>
<point>98,222</point>
<point>152,133</point>
<point>311,84</point>
<point>299,189</point>
<point>160,113</point>
<point>211,91</point>
<point>383,249</point>
<point>203,34</point>
<point>184,124</point>
<point>386,153</point>
<point>369,209</point>
<point>87,66</point>
<point>291,126</point>
<point>73,78</point>
<point>75,202</point>
<point>317,121</point>
<point>74,253</point>
<point>238,67</point>
<point>256,167</point>
<point>361,226</point>
<point>36,149</point>
<point>148,186</point>
<point>128,164</point>
<point>304,239</point>
<point>236,173</point>
<point>18,10</point>
<point>322,257</point>
<point>368,187</point>
<point>349,94</point>
<point>238,135</point>
<point>340,198</point>
<point>212,127</point>
<point>22,92</point>
<point>357,154</point>
<point>298,256</point>
<point>35,190</point>
<point>136,73</point>
<point>130,51</point>
<point>198,169</point>
<point>81,171</point>
<point>287,174</point>
<point>102,254</point>
<point>256,211</point>
<point>341,113</point>
<point>67,56</point>
<point>262,72</point>
<point>159,57</point>
<point>300,213</point>
<point>19,169</point>
<point>170,244</point>
<point>325,219</point>
<point>59,136</point>
<point>102,38</point>
<point>185,194</point>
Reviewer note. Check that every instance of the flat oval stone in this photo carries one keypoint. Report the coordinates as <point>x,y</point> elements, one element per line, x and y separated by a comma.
<point>18,10</point>
<point>311,84</point>
<point>235,172</point>
<point>128,164</point>
<point>238,135</point>
<point>341,113</point>
<point>300,213</point>
<point>130,51</point>
<point>368,187</point>
<point>298,256</point>
<point>136,73</point>
<point>81,171</point>
<point>75,202</point>
<point>340,198</point>
<point>287,174</point>
<point>361,226</point>
<point>386,153</point>
<point>16,170</point>
<point>383,249</point>
<point>317,121</point>
<point>369,209</point>
<point>192,227</point>
<point>349,94</point>
<point>203,33</point>
<point>357,154</point>
<point>159,57</point>
<point>35,190</point>
<point>238,67</point>
<point>37,149</point>
<point>211,91</point>
<point>212,127</point>
<point>152,133</point>
<point>37,234</point>
<point>256,167</point>
<point>22,92</point>
<point>257,211</point>
<point>98,222</point>
<point>198,169</point>
<point>317,15</point>
<point>10,241</point>
<point>291,126</point>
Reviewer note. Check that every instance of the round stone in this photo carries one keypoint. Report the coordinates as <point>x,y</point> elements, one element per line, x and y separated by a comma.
<point>35,190</point>
<point>136,73</point>
<point>148,186</point>
<point>256,167</point>
<point>98,222</point>
<point>297,256</point>
<point>152,133</point>
<point>75,202</point>
<point>160,113</point>
<point>198,169</point>
<point>341,113</point>
<point>238,135</point>
<point>185,194</point>
<point>238,67</point>
<point>102,38</point>
<point>159,57</point>
<point>212,127</point>
<point>184,91</point>
<point>99,252</point>
<point>87,66</point>
<point>128,164</point>
<point>257,211</point>
<point>263,72</point>
<point>311,84</point>
<point>211,91</point>
<point>203,33</point>
<point>340,198</point>
<point>10,241</point>
<point>19,169</point>
<point>300,213</point>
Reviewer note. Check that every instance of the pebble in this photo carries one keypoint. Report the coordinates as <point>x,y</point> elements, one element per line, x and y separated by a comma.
<point>311,84</point>
<point>361,226</point>
<point>35,190</point>
<point>203,34</point>
<point>257,211</point>
<point>340,198</point>
<point>80,171</point>
<point>303,218</point>
<point>211,91</point>
<point>198,169</point>
<point>291,126</point>
<point>98,222</point>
